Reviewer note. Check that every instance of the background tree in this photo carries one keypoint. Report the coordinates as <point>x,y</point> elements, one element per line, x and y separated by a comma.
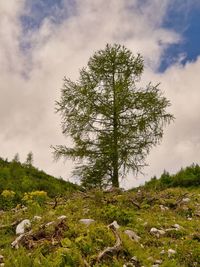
<point>16,158</point>
<point>29,159</point>
<point>112,122</point>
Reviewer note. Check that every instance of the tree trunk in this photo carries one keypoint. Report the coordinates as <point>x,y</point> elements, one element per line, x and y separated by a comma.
<point>115,178</point>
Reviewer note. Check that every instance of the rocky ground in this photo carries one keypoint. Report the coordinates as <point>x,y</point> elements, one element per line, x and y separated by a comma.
<point>135,228</point>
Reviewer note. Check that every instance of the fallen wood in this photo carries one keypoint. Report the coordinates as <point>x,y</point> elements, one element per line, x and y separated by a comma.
<point>3,226</point>
<point>30,239</point>
<point>135,204</point>
<point>111,250</point>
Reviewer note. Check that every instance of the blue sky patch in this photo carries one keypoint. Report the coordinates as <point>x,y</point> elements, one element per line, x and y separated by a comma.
<point>38,10</point>
<point>187,23</point>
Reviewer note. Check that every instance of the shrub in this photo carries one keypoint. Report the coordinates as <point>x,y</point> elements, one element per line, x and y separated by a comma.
<point>8,194</point>
<point>123,216</point>
<point>8,199</point>
<point>36,196</point>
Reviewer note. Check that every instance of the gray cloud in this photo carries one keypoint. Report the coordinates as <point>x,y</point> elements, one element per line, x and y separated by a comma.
<point>31,79</point>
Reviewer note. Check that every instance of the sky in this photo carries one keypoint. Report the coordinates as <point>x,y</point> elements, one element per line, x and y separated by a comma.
<point>41,41</point>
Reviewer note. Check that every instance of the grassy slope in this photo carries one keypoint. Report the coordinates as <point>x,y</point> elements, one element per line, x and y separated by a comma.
<point>74,244</point>
<point>21,178</point>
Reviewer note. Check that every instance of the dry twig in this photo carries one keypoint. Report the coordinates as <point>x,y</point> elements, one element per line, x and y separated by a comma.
<point>111,250</point>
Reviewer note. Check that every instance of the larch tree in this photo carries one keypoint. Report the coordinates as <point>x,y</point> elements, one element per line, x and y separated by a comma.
<point>112,121</point>
<point>29,159</point>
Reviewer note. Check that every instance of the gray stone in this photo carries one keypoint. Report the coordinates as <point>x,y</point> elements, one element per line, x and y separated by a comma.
<point>115,224</point>
<point>86,221</point>
<point>171,252</point>
<point>186,200</point>
<point>158,262</point>
<point>163,208</point>
<point>162,252</point>
<point>37,218</point>
<point>132,235</point>
<point>157,232</point>
<point>22,226</point>
<point>176,226</point>
<point>62,217</point>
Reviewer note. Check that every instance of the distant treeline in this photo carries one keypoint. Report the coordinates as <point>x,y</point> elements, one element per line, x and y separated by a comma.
<point>22,178</point>
<point>186,177</point>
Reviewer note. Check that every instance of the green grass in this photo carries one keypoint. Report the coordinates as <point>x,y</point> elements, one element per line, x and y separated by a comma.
<point>78,243</point>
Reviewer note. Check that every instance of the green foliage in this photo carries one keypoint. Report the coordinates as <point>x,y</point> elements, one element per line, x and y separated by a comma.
<point>186,177</point>
<point>8,199</point>
<point>21,179</point>
<point>112,122</point>
<point>123,216</point>
<point>189,253</point>
<point>75,243</point>
<point>36,196</point>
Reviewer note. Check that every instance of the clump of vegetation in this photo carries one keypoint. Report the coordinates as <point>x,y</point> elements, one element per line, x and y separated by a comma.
<point>8,199</point>
<point>36,196</point>
<point>22,178</point>
<point>186,177</point>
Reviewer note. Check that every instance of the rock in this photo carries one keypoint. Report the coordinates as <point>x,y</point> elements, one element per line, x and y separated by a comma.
<point>62,217</point>
<point>186,200</point>
<point>37,218</point>
<point>129,264</point>
<point>115,224</point>
<point>162,252</point>
<point>158,262</point>
<point>163,208</point>
<point>133,263</point>
<point>22,226</point>
<point>171,252</point>
<point>155,265</point>
<point>1,258</point>
<point>189,219</point>
<point>86,221</point>
<point>157,232</point>
<point>176,226</point>
<point>132,235</point>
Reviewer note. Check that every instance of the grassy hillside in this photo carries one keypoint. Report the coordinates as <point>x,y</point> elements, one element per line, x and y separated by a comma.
<point>165,227</point>
<point>21,178</point>
<point>154,226</point>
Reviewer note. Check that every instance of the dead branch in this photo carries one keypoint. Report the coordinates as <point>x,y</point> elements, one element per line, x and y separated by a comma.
<point>135,204</point>
<point>10,225</point>
<point>30,239</point>
<point>56,202</point>
<point>86,264</point>
<point>111,250</point>
<point>178,200</point>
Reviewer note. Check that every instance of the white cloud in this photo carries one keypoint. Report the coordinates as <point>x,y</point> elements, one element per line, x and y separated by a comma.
<point>27,116</point>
